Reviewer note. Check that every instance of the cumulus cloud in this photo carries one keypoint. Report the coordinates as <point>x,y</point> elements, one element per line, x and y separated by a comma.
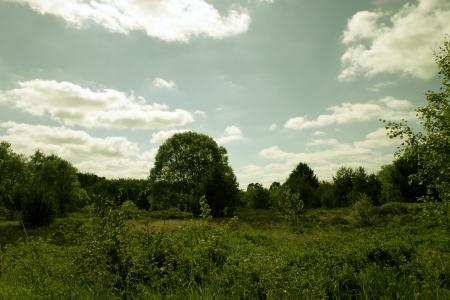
<point>231,134</point>
<point>110,156</point>
<point>167,20</point>
<point>403,42</point>
<point>388,108</point>
<point>366,152</point>
<point>72,104</point>
<point>162,135</point>
<point>163,84</point>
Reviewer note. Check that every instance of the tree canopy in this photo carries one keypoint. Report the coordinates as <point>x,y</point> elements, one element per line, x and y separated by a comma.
<point>190,165</point>
<point>304,182</point>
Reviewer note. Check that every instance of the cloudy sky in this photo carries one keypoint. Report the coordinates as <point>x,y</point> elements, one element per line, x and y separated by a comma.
<point>104,83</point>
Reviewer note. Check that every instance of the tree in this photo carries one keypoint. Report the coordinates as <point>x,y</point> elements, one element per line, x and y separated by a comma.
<point>190,165</point>
<point>57,179</point>
<point>291,204</point>
<point>397,183</point>
<point>326,194</point>
<point>13,177</point>
<point>275,191</point>
<point>304,182</point>
<point>343,183</point>
<point>257,196</point>
<point>430,146</point>
<point>350,183</point>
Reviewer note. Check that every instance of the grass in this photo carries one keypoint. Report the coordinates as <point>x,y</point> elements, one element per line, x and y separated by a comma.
<point>261,256</point>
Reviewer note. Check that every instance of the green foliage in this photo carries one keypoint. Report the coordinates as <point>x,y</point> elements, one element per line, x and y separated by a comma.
<point>109,260</point>
<point>13,176</point>
<point>120,190</point>
<point>304,182</point>
<point>257,196</point>
<point>291,205</point>
<point>326,194</point>
<point>187,166</point>
<point>430,146</point>
<point>52,189</point>
<point>205,210</point>
<point>38,209</point>
<point>350,183</point>
<point>128,208</point>
<point>397,182</point>
<point>39,188</point>
<point>170,213</point>
<point>362,210</point>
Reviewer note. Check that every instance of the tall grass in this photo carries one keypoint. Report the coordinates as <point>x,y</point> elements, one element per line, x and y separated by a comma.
<point>258,257</point>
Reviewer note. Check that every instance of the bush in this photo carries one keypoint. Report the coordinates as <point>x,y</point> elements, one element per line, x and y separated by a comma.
<point>128,209</point>
<point>397,208</point>
<point>38,210</point>
<point>362,210</point>
<point>171,213</point>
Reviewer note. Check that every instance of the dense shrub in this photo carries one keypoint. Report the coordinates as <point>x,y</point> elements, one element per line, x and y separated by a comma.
<point>362,210</point>
<point>171,213</point>
<point>256,196</point>
<point>38,209</point>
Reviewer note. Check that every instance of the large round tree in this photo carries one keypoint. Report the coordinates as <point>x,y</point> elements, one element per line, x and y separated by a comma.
<point>304,182</point>
<point>190,165</point>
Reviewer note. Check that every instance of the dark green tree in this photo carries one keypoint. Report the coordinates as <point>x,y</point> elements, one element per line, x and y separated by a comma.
<point>57,179</point>
<point>350,183</point>
<point>190,165</point>
<point>326,194</point>
<point>302,181</point>
<point>257,196</point>
<point>13,178</point>
<point>275,192</point>
<point>397,180</point>
<point>343,186</point>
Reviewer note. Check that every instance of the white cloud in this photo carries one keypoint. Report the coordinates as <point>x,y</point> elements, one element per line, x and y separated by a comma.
<point>110,156</point>
<point>387,108</point>
<point>318,133</point>
<point>200,113</point>
<point>393,103</point>
<point>232,134</point>
<point>163,84</point>
<point>162,135</point>
<point>367,153</point>
<point>322,142</point>
<point>403,42</point>
<point>381,85</point>
<point>273,127</point>
<point>363,25</point>
<point>167,20</point>
<point>72,104</point>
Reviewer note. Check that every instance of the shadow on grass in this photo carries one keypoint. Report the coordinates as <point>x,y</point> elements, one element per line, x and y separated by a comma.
<point>10,232</point>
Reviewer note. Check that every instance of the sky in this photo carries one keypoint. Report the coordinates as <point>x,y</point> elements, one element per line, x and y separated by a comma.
<point>276,82</point>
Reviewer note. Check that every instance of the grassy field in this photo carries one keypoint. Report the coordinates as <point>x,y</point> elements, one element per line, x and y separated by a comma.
<point>258,255</point>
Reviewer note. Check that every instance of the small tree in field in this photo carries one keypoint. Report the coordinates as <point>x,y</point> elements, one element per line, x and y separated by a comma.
<point>291,205</point>
<point>431,145</point>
